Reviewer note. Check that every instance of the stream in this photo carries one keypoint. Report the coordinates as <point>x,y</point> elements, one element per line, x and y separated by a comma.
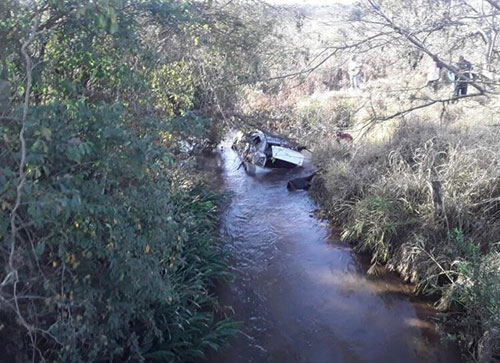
<point>304,296</point>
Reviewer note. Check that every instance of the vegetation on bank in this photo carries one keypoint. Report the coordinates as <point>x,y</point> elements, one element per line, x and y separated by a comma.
<point>421,195</point>
<point>108,239</point>
<point>425,203</point>
<point>419,188</point>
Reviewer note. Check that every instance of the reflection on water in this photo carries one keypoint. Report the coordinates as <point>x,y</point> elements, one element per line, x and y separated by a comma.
<point>302,295</point>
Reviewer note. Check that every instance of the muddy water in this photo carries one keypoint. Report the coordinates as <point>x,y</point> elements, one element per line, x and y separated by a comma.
<point>301,294</point>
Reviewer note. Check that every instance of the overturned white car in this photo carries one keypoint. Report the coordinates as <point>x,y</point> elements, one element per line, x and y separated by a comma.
<point>259,149</point>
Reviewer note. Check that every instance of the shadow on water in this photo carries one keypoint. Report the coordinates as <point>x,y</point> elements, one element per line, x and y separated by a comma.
<point>302,295</point>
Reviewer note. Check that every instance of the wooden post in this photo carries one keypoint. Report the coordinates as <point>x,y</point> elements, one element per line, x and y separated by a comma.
<point>437,198</point>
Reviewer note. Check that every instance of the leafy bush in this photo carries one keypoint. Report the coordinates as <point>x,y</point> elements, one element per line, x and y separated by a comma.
<point>111,252</point>
<point>477,290</point>
<point>119,254</point>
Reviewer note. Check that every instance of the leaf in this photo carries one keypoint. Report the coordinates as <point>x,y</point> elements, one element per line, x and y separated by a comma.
<point>36,145</point>
<point>39,249</point>
<point>196,353</point>
<point>46,133</point>
<point>101,21</point>
<point>73,154</point>
<point>113,28</point>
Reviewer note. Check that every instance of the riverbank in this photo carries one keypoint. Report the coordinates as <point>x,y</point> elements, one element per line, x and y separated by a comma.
<point>419,194</point>
<point>424,202</point>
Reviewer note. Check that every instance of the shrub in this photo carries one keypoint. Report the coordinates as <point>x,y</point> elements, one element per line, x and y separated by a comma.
<point>477,290</point>
<point>117,249</point>
<point>111,253</point>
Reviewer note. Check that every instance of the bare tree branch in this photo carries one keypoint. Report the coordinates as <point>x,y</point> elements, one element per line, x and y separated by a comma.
<point>494,3</point>
<point>417,43</point>
<point>427,104</point>
<point>12,275</point>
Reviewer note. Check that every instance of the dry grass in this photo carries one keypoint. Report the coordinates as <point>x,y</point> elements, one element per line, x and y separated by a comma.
<point>427,203</point>
<point>420,193</point>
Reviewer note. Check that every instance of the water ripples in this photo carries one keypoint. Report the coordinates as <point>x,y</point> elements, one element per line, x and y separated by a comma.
<point>301,296</point>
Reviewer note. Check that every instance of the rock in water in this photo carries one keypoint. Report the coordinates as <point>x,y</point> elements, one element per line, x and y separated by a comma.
<point>300,183</point>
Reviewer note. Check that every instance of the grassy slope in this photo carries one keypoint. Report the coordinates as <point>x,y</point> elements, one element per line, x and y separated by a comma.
<point>420,193</point>
<point>422,196</point>
<point>424,199</point>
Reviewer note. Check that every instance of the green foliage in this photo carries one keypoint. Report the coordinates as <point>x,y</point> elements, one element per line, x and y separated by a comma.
<point>190,126</point>
<point>116,238</point>
<point>123,254</point>
<point>173,89</point>
<point>374,225</point>
<point>477,291</point>
<point>378,222</point>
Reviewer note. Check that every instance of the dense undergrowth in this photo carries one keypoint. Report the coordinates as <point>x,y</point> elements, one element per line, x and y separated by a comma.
<point>121,245</point>
<point>108,238</point>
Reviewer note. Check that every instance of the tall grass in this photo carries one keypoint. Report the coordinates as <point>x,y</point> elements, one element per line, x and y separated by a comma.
<point>419,192</point>
<point>427,203</point>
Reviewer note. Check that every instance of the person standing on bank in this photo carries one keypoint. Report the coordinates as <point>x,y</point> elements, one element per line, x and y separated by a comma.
<point>354,70</point>
<point>463,77</point>
<point>433,75</point>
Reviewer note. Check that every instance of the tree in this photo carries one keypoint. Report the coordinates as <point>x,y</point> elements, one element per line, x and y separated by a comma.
<point>108,243</point>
